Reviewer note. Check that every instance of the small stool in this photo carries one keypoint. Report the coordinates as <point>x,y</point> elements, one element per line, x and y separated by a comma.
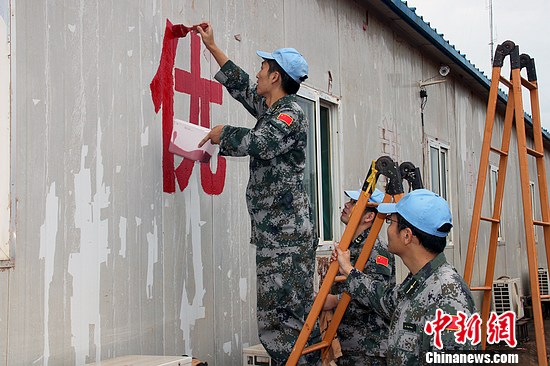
<point>522,331</point>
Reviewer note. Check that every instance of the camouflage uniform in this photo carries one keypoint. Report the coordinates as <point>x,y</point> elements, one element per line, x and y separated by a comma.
<point>436,286</point>
<point>279,210</point>
<point>363,334</point>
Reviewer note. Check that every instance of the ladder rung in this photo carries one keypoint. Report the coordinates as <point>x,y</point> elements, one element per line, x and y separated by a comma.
<point>481,288</point>
<point>535,153</point>
<point>505,81</point>
<point>490,219</point>
<point>529,85</point>
<point>315,347</point>
<point>498,151</point>
<point>541,223</point>
<point>341,278</point>
<point>545,296</point>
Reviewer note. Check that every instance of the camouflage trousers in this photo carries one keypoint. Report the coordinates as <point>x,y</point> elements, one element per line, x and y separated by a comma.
<point>284,298</point>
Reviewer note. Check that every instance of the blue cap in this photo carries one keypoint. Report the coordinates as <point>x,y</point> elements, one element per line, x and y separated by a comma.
<point>376,197</point>
<point>290,60</point>
<point>423,209</point>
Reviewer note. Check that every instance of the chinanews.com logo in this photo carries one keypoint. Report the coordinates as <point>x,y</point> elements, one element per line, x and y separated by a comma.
<point>500,328</point>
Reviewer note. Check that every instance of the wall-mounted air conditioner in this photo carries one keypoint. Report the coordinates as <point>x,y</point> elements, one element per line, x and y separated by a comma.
<point>544,286</point>
<point>507,296</point>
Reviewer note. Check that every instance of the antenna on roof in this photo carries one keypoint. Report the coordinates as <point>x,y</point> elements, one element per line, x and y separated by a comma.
<point>491,42</point>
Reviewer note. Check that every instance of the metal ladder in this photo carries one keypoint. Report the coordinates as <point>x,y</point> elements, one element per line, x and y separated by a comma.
<point>394,191</point>
<point>514,113</point>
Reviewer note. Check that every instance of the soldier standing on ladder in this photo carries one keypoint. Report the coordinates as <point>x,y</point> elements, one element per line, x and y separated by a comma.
<point>278,204</point>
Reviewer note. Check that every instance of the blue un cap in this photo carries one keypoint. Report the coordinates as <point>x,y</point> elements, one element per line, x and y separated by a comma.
<point>290,60</point>
<point>424,210</point>
<point>376,197</point>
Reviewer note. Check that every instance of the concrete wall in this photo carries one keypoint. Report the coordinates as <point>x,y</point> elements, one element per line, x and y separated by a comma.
<point>106,262</point>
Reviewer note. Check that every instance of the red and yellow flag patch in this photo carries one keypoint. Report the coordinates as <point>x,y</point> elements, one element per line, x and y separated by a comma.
<point>285,118</point>
<point>382,260</point>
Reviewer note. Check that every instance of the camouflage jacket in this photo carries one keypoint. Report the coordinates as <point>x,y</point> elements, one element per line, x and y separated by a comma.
<point>277,202</point>
<point>410,305</point>
<point>362,331</point>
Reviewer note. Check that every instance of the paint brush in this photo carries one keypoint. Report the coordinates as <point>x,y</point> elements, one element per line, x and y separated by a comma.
<point>180,30</point>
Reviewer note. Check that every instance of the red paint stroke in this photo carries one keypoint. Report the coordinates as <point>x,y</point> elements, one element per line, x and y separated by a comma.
<point>202,92</point>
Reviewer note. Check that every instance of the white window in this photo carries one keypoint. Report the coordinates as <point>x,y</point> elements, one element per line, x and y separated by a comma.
<point>493,179</point>
<point>438,172</point>
<point>5,128</point>
<point>322,168</point>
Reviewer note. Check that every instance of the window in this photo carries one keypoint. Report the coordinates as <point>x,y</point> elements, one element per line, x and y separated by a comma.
<point>438,158</point>
<point>438,172</point>
<point>321,161</point>
<point>493,179</point>
<point>5,140</point>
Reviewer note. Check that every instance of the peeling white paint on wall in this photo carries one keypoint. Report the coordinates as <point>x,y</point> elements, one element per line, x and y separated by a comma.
<point>4,138</point>
<point>85,265</point>
<point>227,348</point>
<point>122,225</point>
<point>243,288</point>
<point>48,236</point>
<point>145,137</point>
<point>193,309</point>
<point>152,258</point>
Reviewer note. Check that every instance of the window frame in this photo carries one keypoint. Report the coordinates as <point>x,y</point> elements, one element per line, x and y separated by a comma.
<point>322,99</point>
<point>432,142</point>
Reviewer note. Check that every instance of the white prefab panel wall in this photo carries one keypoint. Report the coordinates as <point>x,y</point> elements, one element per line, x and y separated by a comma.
<point>5,97</point>
<point>107,263</point>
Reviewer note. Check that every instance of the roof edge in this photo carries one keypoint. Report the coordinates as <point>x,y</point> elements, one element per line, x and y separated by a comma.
<point>409,15</point>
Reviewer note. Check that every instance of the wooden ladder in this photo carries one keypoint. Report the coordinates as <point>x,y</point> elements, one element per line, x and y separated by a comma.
<point>514,113</point>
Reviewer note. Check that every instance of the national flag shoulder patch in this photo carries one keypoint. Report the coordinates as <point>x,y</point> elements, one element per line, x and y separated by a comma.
<point>382,260</point>
<point>285,118</point>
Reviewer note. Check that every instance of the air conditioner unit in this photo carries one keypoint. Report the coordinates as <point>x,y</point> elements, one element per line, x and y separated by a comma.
<point>544,286</point>
<point>507,296</point>
<point>256,356</point>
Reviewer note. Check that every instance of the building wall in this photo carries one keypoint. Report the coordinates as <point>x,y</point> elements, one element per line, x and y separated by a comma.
<point>106,262</point>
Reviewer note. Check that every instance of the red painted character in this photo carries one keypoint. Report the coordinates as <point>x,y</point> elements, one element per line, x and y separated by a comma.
<point>202,93</point>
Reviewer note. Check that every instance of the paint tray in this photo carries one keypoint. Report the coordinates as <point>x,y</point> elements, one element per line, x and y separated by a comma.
<point>185,141</point>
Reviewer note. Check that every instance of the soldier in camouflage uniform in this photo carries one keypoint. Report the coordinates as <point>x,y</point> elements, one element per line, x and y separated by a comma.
<point>419,224</point>
<point>363,333</point>
<point>279,207</point>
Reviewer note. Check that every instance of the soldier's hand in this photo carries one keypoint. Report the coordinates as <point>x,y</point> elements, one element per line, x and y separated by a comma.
<point>334,255</point>
<point>207,35</point>
<point>214,136</point>
<point>331,302</point>
<point>344,261</point>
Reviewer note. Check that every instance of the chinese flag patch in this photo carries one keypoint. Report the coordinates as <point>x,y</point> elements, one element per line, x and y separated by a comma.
<point>285,118</point>
<point>382,260</point>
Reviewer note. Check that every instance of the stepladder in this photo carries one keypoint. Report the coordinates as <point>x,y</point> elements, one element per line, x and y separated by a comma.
<point>394,175</point>
<point>526,150</point>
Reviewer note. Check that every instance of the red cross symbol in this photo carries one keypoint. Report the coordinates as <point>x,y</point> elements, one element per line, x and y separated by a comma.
<point>202,92</point>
